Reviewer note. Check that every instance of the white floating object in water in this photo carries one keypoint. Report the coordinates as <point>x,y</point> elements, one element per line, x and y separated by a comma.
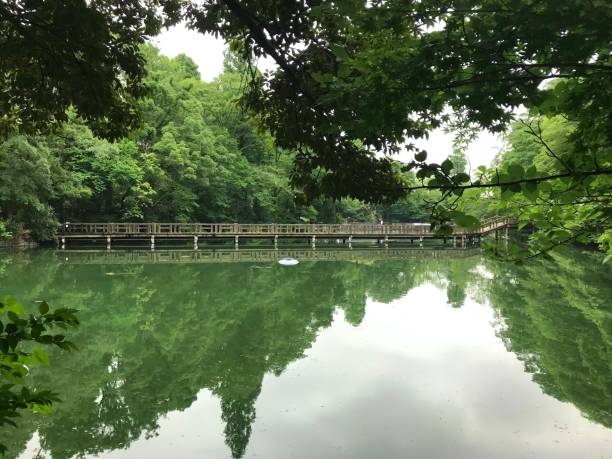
<point>288,261</point>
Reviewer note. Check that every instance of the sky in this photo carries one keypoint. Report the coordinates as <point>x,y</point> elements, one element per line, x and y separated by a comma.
<point>207,52</point>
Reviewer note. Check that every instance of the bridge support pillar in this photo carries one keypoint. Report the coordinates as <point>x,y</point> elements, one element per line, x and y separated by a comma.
<point>152,242</point>
<point>63,243</point>
<point>454,241</point>
<point>506,239</point>
<point>236,238</point>
<point>313,241</point>
<point>276,242</point>
<point>386,241</point>
<point>108,242</point>
<point>421,241</point>
<point>195,243</point>
<point>350,242</point>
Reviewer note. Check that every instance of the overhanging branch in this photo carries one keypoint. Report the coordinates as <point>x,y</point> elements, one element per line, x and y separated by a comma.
<point>577,174</point>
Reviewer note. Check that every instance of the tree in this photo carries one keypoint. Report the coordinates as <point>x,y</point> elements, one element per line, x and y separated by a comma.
<point>459,160</point>
<point>61,54</point>
<point>355,78</point>
<point>561,210</point>
<point>30,180</point>
<point>355,83</point>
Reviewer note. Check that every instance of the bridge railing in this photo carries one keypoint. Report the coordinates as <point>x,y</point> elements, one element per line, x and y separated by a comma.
<point>263,229</point>
<point>493,223</point>
<point>231,229</point>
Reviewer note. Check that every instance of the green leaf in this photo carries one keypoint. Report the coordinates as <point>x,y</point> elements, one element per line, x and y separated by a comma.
<point>461,177</point>
<point>43,308</point>
<point>516,171</point>
<point>531,172</point>
<point>339,52</point>
<point>41,356</point>
<point>421,156</point>
<point>13,317</point>
<point>343,71</point>
<point>530,187</point>
<point>464,220</point>
<point>447,166</point>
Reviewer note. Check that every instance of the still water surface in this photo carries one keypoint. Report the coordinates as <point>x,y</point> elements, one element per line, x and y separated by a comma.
<point>424,357</point>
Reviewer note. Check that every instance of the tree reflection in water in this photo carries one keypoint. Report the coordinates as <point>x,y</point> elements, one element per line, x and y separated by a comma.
<point>153,336</point>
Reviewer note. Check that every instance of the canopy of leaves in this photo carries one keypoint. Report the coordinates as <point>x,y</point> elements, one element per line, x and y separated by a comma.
<point>56,54</point>
<point>356,77</point>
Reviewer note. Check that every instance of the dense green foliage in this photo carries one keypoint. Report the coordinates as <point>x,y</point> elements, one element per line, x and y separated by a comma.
<point>16,360</point>
<point>560,210</point>
<point>197,157</point>
<point>356,81</point>
<point>56,54</point>
<point>365,77</point>
<point>368,76</point>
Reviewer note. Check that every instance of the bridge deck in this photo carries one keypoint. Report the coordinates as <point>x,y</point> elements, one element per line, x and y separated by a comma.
<point>268,230</point>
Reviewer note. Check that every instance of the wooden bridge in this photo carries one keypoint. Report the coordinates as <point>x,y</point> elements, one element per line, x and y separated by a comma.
<point>235,231</point>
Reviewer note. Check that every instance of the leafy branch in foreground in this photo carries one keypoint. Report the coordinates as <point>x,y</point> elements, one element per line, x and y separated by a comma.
<point>17,329</point>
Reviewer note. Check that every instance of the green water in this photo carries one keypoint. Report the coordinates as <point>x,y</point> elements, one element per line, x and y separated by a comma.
<point>413,356</point>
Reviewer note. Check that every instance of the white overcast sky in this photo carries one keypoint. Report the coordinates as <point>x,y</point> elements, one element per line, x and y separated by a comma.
<point>207,52</point>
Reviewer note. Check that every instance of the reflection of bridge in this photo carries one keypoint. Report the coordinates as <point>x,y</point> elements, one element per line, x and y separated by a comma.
<point>103,257</point>
<point>345,232</point>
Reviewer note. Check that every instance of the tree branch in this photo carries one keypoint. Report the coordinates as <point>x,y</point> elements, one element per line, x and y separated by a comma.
<point>576,174</point>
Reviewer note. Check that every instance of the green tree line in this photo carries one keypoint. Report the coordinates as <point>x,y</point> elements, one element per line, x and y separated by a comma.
<point>195,157</point>
<point>355,83</point>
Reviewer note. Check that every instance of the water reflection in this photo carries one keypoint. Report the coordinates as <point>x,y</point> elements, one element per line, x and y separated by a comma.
<point>155,335</point>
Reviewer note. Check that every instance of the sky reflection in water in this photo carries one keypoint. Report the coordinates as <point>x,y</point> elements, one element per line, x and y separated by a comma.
<point>396,358</point>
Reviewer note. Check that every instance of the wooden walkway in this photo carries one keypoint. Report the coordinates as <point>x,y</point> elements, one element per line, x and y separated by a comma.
<point>274,231</point>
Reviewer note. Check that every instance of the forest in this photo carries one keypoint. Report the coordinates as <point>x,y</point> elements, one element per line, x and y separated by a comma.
<point>98,125</point>
<point>196,158</point>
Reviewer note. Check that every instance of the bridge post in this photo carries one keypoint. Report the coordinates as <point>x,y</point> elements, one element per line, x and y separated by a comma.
<point>506,239</point>
<point>63,243</point>
<point>152,242</point>
<point>350,241</point>
<point>276,241</point>
<point>108,242</point>
<point>421,241</point>
<point>313,241</point>
<point>386,241</point>
<point>195,243</point>
<point>236,241</point>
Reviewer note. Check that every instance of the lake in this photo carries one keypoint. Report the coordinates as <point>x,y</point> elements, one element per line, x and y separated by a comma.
<point>349,354</point>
